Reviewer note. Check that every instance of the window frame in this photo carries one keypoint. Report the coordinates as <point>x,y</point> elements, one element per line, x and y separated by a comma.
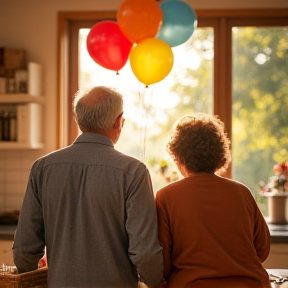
<point>221,21</point>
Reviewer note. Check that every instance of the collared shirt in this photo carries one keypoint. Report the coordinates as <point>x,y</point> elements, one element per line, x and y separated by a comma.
<point>94,210</point>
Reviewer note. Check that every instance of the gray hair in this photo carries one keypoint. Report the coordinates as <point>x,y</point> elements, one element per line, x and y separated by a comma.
<point>97,108</point>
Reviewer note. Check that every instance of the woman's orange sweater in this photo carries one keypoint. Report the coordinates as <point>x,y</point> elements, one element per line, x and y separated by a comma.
<point>211,227</point>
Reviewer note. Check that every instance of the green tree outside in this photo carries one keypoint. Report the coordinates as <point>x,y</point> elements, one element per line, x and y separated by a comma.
<point>260,104</point>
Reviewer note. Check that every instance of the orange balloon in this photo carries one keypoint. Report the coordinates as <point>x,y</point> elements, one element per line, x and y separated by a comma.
<point>139,20</point>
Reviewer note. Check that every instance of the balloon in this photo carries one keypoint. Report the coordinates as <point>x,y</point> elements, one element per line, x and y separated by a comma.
<point>151,60</point>
<point>179,22</point>
<point>139,19</point>
<point>108,46</point>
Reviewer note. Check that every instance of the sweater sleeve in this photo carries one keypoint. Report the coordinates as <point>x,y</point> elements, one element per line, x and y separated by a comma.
<point>261,236</point>
<point>164,235</point>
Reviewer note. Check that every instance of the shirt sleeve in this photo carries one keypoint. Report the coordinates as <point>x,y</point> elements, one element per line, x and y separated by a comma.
<point>29,239</point>
<point>164,235</point>
<point>145,251</point>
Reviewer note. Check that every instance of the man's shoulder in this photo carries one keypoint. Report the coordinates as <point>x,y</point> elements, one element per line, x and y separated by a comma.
<point>50,156</point>
<point>126,160</point>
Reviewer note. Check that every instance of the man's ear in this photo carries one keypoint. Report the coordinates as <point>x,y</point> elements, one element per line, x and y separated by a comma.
<point>117,123</point>
<point>116,131</point>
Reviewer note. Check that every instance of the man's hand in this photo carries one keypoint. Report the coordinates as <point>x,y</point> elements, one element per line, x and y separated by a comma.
<point>43,261</point>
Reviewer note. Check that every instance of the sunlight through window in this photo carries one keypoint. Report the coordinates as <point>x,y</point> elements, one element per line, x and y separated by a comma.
<point>150,112</point>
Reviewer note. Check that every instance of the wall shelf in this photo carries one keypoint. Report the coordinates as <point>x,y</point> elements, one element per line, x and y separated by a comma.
<point>22,114</point>
<point>20,98</point>
<point>9,145</point>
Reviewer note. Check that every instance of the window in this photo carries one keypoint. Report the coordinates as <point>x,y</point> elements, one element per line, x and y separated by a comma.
<point>259,103</point>
<point>241,77</point>
<point>150,112</point>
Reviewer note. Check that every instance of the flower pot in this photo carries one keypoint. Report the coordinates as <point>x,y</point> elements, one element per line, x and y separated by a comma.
<point>278,209</point>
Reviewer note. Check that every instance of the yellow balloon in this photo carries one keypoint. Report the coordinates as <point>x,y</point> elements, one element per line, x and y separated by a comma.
<point>151,60</point>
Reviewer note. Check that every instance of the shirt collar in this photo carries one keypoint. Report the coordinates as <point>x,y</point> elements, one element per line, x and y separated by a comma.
<point>94,138</point>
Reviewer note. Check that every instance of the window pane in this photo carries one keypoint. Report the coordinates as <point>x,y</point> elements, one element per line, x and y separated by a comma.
<point>150,112</point>
<point>260,104</point>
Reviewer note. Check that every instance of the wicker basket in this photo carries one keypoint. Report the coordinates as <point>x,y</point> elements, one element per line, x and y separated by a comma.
<point>36,279</point>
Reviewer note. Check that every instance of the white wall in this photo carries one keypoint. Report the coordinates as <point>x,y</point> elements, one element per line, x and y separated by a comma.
<point>32,25</point>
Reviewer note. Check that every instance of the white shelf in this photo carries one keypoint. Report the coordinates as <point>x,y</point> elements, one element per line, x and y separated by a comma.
<point>29,112</point>
<point>20,98</point>
<point>29,124</point>
<point>18,145</point>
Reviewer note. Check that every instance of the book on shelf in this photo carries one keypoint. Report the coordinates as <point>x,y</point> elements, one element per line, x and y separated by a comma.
<point>35,79</point>
<point>29,129</point>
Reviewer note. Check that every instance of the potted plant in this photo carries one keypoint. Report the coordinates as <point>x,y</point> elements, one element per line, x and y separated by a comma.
<point>276,189</point>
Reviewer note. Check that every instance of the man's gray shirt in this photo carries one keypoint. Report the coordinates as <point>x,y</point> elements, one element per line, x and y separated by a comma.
<point>94,210</point>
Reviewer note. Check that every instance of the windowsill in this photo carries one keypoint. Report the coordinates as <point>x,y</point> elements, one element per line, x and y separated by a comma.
<point>279,233</point>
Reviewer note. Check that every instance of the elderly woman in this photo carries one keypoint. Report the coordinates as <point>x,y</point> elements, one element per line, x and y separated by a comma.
<point>210,227</point>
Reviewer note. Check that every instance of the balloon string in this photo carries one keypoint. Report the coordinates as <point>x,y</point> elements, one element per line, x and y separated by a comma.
<point>144,136</point>
<point>145,125</point>
<point>146,113</point>
<point>142,125</point>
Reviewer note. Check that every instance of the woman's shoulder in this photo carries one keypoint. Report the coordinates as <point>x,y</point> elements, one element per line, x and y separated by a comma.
<point>169,189</point>
<point>231,181</point>
<point>234,185</point>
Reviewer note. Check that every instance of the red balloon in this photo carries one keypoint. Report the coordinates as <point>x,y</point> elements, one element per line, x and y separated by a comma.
<point>108,46</point>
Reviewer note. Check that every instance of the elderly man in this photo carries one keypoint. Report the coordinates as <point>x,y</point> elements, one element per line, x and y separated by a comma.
<point>91,206</point>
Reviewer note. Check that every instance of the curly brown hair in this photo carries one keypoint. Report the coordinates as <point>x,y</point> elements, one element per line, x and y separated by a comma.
<point>200,143</point>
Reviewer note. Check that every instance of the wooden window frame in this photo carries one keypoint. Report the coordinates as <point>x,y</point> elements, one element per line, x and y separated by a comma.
<point>221,21</point>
